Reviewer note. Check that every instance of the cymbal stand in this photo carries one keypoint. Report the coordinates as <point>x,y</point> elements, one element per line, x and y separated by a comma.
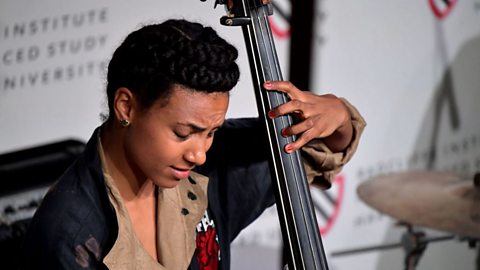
<point>413,243</point>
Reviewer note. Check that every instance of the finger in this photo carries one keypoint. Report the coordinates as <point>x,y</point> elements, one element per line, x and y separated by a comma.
<point>291,107</point>
<point>306,137</point>
<point>285,87</point>
<point>316,132</point>
<point>266,2</point>
<point>300,142</point>
<point>298,128</point>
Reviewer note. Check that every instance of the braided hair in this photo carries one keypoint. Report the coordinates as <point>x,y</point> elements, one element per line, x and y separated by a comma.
<point>153,59</point>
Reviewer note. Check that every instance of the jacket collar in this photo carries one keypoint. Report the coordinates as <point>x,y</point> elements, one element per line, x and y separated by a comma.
<point>179,210</point>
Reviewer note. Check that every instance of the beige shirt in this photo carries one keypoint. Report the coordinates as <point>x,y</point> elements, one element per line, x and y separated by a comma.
<point>180,212</point>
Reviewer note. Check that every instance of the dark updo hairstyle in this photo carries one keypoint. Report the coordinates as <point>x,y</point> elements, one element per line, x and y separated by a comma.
<point>156,57</point>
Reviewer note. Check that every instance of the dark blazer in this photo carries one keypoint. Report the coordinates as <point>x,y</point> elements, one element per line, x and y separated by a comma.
<point>75,226</point>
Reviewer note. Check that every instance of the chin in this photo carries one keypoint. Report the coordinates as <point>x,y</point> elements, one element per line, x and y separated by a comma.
<point>167,184</point>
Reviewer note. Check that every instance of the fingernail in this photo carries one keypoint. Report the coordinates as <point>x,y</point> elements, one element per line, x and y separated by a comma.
<point>271,114</point>
<point>268,84</point>
<point>289,148</point>
<point>284,132</point>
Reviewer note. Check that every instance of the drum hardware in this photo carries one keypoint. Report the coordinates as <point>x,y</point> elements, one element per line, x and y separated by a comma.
<point>414,242</point>
<point>436,200</point>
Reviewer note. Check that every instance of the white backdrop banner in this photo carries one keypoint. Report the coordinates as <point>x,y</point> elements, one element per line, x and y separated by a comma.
<point>53,59</point>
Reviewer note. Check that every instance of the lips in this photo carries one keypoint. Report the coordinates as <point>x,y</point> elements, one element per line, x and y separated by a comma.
<point>180,173</point>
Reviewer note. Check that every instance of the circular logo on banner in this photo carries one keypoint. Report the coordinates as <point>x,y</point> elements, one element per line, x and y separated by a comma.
<point>327,204</point>
<point>277,30</point>
<point>441,8</point>
<point>280,22</point>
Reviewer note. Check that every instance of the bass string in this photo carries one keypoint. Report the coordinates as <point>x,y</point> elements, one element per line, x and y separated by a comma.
<point>280,98</point>
<point>275,73</point>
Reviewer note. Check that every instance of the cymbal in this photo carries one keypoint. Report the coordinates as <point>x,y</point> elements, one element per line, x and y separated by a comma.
<point>435,200</point>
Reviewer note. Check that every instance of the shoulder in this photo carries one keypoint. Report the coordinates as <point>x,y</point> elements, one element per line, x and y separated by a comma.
<point>70,202</point>
<point>75,217</point>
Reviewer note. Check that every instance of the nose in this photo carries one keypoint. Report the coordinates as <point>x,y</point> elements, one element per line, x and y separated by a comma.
<point>197,154</point>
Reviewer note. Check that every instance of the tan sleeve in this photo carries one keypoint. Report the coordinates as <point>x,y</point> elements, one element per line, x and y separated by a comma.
<point>321,164</point>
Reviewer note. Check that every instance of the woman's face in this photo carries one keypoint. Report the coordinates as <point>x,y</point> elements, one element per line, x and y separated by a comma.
<point>165,142</point>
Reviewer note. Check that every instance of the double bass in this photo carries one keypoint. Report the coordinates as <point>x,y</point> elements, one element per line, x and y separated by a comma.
<point>300,231</point>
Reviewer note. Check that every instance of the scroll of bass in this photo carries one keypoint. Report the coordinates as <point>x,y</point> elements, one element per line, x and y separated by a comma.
<point>300,231</point>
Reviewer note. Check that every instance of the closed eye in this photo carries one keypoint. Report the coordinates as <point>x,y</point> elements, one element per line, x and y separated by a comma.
<point>211,133</point>
<point>181,136</point>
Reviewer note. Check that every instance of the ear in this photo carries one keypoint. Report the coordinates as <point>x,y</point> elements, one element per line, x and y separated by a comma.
<point>123,104</point>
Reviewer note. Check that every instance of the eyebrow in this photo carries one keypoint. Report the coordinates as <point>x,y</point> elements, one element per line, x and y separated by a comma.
<point>196,128</point>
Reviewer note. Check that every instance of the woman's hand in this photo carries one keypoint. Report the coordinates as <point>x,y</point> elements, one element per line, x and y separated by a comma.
<point>321,116</point>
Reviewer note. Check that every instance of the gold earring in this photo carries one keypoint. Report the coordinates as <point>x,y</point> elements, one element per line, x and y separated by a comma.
<point>124,123</point>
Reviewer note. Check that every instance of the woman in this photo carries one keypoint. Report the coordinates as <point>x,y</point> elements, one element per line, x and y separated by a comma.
<point>137,197</point>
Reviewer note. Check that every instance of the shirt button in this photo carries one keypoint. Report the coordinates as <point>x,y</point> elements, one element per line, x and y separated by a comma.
<point>191,180</point>
<point>185,211</point>
<point>192,196</point>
